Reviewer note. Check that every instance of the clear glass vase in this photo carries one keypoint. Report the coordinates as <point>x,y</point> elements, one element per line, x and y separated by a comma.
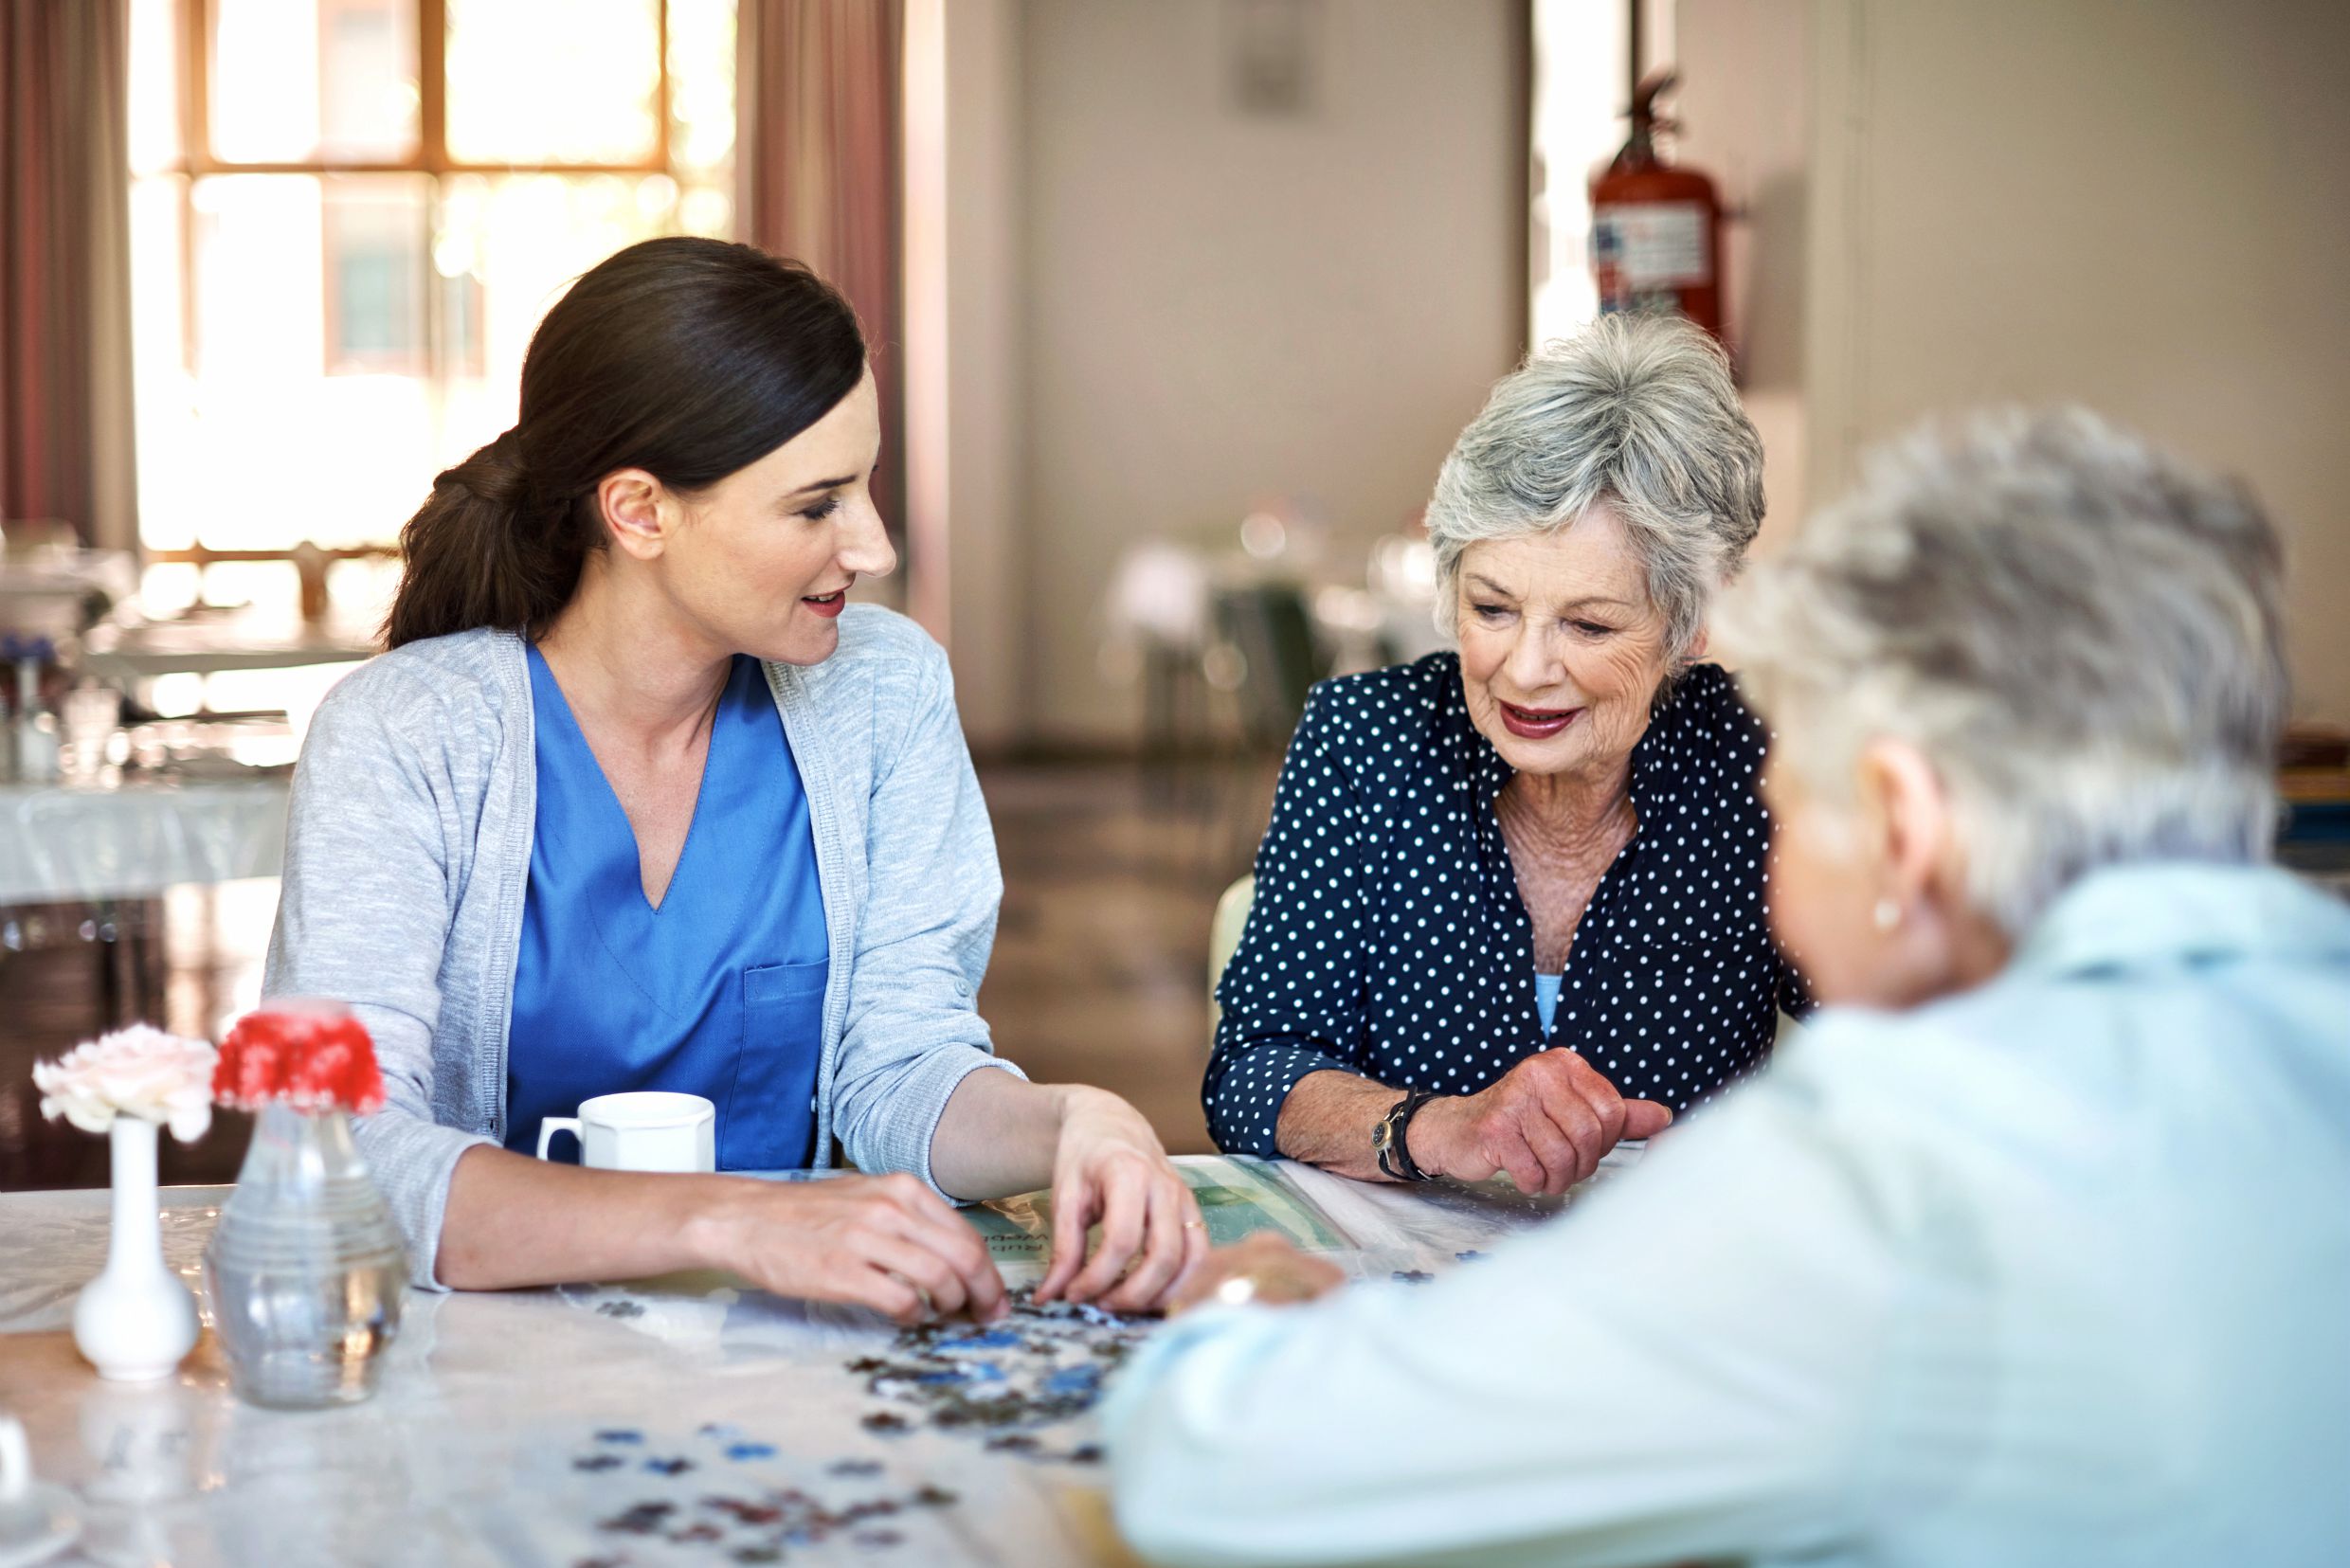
<point>306,1269</point>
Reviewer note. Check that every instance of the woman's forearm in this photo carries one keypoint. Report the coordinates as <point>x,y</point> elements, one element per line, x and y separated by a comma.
<point>1110,1177</point>
<point>1329,1119</point>
<point>998,1136</point>
<point>885,1242</point>
<point>515,1221</point>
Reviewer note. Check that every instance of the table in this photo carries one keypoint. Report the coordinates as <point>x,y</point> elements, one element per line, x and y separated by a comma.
<point>61,844</point>
<point>647,1423</point>
<point>240,640</point>
<point>48,592</point>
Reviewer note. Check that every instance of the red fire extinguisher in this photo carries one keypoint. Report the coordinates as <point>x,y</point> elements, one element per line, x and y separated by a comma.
<point>1655,229</point>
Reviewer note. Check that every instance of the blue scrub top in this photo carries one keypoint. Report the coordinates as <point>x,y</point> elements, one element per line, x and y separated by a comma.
<point>720,991</point>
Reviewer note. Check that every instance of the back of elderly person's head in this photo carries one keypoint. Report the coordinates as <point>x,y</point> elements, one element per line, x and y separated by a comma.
<point>1636,411</point>
<point>2081,633</point>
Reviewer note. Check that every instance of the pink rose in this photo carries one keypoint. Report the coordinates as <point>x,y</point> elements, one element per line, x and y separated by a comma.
<point>136,1072</point>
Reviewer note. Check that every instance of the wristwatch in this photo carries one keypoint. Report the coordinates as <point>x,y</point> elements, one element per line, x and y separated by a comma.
<point>1387,1139</point>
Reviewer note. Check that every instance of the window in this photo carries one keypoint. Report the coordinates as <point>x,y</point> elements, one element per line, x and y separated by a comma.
<point>347,217</point>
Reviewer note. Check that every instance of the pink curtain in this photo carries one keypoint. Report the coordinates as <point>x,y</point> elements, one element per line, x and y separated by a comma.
<point>64,276</point>
<point>822,164</point>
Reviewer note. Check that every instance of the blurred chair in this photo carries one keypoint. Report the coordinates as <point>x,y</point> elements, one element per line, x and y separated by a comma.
<point>1223,938</point>
<point>1271,628</point>
<point>1158,621</point>
<point>1267,634</point>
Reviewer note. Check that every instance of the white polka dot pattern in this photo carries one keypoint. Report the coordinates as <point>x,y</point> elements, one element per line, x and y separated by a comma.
<point>1388,939</point>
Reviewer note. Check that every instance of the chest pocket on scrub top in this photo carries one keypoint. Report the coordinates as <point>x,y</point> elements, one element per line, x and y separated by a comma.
<point>769,1122</point>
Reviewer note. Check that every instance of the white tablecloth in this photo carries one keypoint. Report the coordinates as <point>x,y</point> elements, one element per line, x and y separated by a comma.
<point>60,844</point>
<point>626,1423</point>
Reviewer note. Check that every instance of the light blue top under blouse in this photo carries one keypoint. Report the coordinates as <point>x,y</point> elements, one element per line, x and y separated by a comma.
<point>1546,998</point>
<point>719,991</point>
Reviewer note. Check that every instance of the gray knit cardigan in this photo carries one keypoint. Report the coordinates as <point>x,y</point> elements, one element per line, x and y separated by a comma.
<point>408,850</point>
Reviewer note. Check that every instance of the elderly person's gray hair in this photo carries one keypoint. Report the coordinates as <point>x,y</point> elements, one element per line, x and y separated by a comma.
<point>1636,411</point>
<point>2083,635</point>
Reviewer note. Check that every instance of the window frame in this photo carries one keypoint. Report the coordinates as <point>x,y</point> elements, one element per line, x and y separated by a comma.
<point>432,150</point>
<point>431,160</point>
<point>194,159</point>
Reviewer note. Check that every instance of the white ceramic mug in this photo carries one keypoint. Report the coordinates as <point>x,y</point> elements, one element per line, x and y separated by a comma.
<point>641,1130</point>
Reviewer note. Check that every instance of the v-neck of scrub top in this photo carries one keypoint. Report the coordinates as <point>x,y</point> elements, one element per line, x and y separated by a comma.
<point>718,992</point>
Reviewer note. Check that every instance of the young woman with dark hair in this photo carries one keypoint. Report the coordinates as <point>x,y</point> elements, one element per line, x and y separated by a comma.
<point>637,801</point>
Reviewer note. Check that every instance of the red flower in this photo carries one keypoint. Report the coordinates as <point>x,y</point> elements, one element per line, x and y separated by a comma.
<point>306,1055</point>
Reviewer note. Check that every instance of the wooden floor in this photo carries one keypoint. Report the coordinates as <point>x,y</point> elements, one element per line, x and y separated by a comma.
<point>1099,974</point>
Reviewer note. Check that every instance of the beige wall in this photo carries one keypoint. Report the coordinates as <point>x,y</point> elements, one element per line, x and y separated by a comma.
<point>963,384</point>
<point>1218,307</point>
<point>1162,311</point>
<point>1745,111</point>
<point>2142,205</point>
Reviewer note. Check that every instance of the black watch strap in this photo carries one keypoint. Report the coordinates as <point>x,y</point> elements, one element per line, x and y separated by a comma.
<point>1392,1143</point>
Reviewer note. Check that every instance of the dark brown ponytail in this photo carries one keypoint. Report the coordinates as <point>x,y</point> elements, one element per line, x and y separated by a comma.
<point>688,358</point>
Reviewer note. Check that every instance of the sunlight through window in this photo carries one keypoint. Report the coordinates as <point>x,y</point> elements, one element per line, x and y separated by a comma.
<point>339,262</point>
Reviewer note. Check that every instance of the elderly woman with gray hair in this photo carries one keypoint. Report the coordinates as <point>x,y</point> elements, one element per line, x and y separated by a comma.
<point>1510,908</point>
<point>2031,1251</point>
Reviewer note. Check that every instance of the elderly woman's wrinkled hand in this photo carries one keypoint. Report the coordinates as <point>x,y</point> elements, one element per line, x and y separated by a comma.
<point>1265,1269</point>
<point>1547,1121</point>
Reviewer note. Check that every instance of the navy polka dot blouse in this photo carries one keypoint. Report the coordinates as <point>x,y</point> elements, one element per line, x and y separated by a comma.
<point>1388,940</point>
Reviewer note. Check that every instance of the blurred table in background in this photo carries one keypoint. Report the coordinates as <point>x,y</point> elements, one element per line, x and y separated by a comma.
<point>108,854</point>
<point>60,844</point>
<point>243,638</point>
<point>54,591</point>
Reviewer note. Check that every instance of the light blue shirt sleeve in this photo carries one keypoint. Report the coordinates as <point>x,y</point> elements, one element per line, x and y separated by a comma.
<point>2047,1271</point>
<point>1590,1393</point>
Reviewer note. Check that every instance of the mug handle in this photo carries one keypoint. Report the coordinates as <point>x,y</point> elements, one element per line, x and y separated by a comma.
<point>16,1460</point>
<point>550,1126</point>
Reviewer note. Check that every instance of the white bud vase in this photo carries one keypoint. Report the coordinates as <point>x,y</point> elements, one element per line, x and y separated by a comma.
<point>136,1320</point>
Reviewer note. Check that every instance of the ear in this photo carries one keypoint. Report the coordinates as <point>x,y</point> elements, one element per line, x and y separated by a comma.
<point>1908,813</point>
<point>1697,648</point>
<point>631,503</point>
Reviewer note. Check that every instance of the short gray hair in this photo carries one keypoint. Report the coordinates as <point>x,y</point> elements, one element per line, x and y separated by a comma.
<point>1636,411</point>
<point>2081,633</point>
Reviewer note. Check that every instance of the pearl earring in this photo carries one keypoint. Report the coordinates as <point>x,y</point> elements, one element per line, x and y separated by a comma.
<point>1887,915</point>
